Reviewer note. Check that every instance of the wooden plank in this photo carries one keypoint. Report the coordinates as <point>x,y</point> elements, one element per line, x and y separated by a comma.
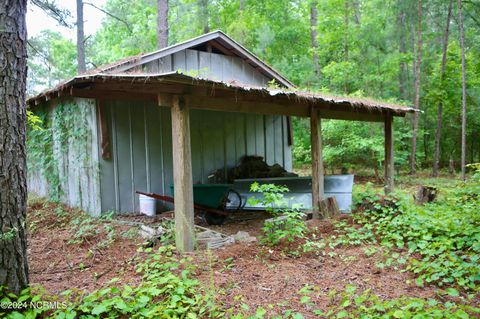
<point>197,129</point>
<point>191,58</point>
<point>389,158</point>
<point>278,140</point>
<point>112,95</point>
<point>104,137</point>
<point>220,48</point>
<point>227,70</point>
<point>140,163</point>
<point>165,64</point>
<point>260,135</point>
<point>317,162</point>
<point>123,152</point>
<point>269,140</point>
<point>240,136</point>
<point>216,67</point>
<point>287,148</point>
<point>230,105</point>
<point>230,149</point>
<point>205,65</point>
<point>166,130</point>
<point>179,61</point>
<point>182,175</point>
<point>154,143</point>
<point>251,133</point>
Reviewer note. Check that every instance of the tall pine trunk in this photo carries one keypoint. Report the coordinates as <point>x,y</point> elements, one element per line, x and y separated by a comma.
<point>464,89</point>
<point>162,24</point>
<point>313,35</point>
<point>346,48</point>
<point>413,164</point>
<point>81,65</point>
<point>438,132</point>
<point>402,50</point>
<point>13,185</point>
<point>203,15</point>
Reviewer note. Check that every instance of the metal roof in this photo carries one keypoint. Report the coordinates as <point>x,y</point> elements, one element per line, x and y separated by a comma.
<point>217,37</point>
<point>289,101</point>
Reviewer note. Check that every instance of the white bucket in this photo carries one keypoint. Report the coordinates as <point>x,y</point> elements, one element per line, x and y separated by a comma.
<point>147,205</point>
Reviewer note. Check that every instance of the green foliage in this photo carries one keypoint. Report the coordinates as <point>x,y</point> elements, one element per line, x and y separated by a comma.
<point>441,238</point>
<point>167,290</point>
<point>286,224</point>
<point>8,235</point>
<point>52,58</point>
<point>365,304</point>
<point>33,121</point>
<point>49,137</point>
<point>348,145</point>
<point>364,48</point>
<point>476,168</point>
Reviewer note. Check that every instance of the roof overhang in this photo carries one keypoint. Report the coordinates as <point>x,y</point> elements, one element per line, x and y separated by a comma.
<point>220,96</point>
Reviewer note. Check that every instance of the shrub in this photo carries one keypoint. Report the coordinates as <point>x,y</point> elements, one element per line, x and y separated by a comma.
<point>441,239</point>
<point>286,224</point>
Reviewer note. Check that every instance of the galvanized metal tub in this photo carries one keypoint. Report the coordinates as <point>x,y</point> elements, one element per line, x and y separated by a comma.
<point>300,191</point>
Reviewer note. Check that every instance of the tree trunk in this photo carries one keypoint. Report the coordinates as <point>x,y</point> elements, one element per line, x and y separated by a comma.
<point>203,15</point>
<point>242,5</point>
<point>162,24</point>
<point>413,164</point>
<point>438,132</point>
<point>425,194</point>
<point>346,18</point>
<point>402,49</point>
<point>81,66</point>
<point>346,47</point>
<point>464,89</point>
<point>313,35</point>
<point>13,185</point>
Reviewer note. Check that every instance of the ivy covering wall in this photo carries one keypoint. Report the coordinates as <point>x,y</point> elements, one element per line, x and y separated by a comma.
<point>62,156</point>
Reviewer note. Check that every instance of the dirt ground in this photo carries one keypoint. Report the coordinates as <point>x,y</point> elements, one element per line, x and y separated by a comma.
<point>240,273</point>
<point>271,278</point>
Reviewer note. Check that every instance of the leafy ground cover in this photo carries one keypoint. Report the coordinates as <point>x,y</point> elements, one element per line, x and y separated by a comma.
<point>391,259</point>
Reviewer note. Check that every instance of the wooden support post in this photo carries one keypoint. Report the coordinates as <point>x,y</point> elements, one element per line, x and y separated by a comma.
<point>182,175</point>
<point>389,160</point>
<point>317,162</point>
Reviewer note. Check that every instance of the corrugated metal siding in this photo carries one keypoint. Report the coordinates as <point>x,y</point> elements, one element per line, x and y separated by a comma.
<point>77,162</point>
<point>141,134</point>
<point>142,148</point>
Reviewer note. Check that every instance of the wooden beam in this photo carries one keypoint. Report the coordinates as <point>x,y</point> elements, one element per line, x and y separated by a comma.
<point>317,162</point>
<point>182,175</point>
<point>232,105</point>
<point>111,94</point>
<point>205,94</point>
<point>341,114</point>
<point>221,48</point>
<point>222,99</point>
<point>389,158</point>
<point>165,99</point>
<point>104,137</point>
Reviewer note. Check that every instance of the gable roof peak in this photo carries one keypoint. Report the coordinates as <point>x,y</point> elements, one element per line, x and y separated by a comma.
<point>218,40</point>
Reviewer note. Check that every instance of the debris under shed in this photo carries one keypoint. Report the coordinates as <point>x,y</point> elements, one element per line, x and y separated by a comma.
<point>249,167</point>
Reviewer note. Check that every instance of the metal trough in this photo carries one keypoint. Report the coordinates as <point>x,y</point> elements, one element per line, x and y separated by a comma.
<point>300,191</point>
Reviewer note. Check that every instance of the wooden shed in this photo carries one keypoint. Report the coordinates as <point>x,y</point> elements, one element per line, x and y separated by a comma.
<point>130,139</point>
<point>175,115</point>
